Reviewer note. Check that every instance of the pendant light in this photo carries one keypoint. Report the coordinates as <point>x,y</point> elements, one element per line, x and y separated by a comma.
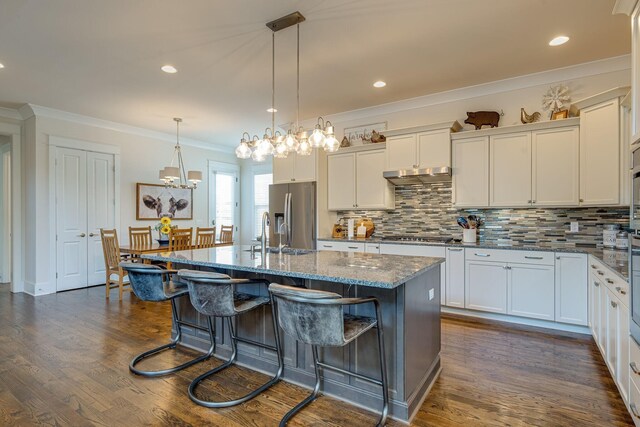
<point>177,176</point>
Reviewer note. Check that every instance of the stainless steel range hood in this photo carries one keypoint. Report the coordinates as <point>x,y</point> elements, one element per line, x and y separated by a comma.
<point>418,176</point>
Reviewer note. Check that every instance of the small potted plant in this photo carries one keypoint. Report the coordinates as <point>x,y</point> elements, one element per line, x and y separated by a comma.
<point>163,228</point>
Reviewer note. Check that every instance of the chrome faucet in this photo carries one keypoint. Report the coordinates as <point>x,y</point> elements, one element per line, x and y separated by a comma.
<point>266,222</point>
<point>280,245</point>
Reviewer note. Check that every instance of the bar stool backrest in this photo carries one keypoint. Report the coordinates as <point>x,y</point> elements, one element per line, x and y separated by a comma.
<point>211,293</point>
<point>301,315</point>
<point>140,236</point>
<point>146,280</point>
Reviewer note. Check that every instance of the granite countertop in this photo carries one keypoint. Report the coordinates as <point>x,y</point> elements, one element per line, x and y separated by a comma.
<point>616,260</point>
<point>380,271</point>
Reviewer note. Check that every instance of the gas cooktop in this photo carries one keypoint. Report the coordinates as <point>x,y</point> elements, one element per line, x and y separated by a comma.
<point>421,239</point>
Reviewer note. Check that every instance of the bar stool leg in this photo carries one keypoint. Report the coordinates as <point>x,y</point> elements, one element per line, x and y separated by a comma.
<point>383,369</point>
<point>172,345</point>
<point>314,394</point>
<point>234,355</point>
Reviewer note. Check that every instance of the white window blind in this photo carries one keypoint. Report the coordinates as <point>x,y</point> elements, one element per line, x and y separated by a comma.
<point>225,199</point>
<point>261,182</point>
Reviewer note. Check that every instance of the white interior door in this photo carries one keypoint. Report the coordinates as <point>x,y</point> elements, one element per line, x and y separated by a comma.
<point>100,211</point>
<point>71,218</point>
<point>224,194</point>
<point>5,213</point>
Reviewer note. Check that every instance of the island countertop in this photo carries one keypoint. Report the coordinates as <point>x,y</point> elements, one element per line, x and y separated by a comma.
<point>363,269</point>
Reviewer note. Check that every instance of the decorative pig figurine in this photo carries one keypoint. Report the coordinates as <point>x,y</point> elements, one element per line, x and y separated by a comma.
<point>480,118</point>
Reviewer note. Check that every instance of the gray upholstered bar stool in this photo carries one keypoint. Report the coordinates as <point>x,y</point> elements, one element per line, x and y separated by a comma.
<point>152,283</point>
<point>213,295</point>
<point>317,318</point>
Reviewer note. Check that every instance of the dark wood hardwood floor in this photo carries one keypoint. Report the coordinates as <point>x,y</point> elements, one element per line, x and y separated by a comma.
<point>64,361</point>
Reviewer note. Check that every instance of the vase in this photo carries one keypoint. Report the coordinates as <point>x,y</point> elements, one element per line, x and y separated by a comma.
<point>163,239</point>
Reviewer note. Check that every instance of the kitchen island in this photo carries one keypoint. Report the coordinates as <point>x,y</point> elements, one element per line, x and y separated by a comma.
<point>409,292</point>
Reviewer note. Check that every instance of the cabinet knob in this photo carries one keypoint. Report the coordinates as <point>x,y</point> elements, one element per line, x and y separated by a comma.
<point>619,289</point>
<point>600,272</point>
<point>533,201</point>
<point>634,411</point>
<point>581,200</point>
<point>593,266</point>
<point>596,284</point>
<point>634,368</point>
<point>613,304</point>
<point>529,201</point>
<point>609,281</point>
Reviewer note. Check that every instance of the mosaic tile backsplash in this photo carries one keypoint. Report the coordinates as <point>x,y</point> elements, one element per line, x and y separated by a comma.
<point>426,210</point>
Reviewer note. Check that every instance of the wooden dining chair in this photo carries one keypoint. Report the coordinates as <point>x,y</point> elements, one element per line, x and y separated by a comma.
<point>180,239</point>
<point>226,234</point>
<point>112,259</point>
<point>140,236</point>
<point>205,237</point>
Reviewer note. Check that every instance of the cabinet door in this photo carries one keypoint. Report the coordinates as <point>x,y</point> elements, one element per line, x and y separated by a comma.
<point>401,152</point>
<point>602,317</point>
<point>531,291</point>
<point>635,74</point>
<point>341,185</point>
<point>486,286</point>
<point>623,351</point>
<point>434,149</point>
<point>471,172</point>
<point>571,288</point>
<point>305,167</point>
<point>594,308</point>
<point>611,331</point>
<point>372,190</point>
<point>283,169</point>
<point>600,154</point>
<point>555,163</point>
<point>454,277</point>
<point>510,170</point>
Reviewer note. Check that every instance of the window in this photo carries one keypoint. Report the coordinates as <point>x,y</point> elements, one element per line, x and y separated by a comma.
<point>261,182</point>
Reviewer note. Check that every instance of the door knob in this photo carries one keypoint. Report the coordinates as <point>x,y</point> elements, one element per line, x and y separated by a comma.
<point>82,235</point>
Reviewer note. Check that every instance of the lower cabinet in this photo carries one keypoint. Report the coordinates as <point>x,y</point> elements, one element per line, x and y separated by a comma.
<point>530,290</point>
<point>595,322</point>
<point>571,276</point>
<point>612,311</point>
<point>454,277</point>
<point>486,286</point>
<point>346,246</point>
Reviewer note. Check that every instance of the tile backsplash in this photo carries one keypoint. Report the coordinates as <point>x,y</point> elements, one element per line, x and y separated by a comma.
<point>426,210</point>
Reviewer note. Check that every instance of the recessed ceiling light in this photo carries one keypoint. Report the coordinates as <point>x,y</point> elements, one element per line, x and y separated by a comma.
<point>379,83</point>
<point>557,41</point>
<point>169,69</point>
<point>1,65</point>
<point>272,110</point>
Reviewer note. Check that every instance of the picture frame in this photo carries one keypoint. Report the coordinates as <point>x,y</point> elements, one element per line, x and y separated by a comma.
<point>360,135</point>
<point>153,201</point>
<point>559,115</point>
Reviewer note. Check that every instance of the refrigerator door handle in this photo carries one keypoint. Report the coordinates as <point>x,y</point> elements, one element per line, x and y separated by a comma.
<point>284,220</point>
<point>288,219</point>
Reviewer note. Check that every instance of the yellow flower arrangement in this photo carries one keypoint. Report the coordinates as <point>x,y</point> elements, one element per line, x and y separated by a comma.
<point>165,230</point>
<point>164,227</point>
<point>165,220</point>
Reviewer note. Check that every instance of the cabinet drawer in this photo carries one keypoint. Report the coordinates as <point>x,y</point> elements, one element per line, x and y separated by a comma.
<point>372,248</point>
<point>634,403</point>
<point>515,256</point>
<point>610,279</point>
<point>327,245</point>
<point>634,362</point>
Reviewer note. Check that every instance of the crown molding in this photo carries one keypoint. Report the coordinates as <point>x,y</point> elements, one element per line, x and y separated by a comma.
<point>624,7</point>
<point>587,69</point>
<point>30,110</point>
<point>8,113</point>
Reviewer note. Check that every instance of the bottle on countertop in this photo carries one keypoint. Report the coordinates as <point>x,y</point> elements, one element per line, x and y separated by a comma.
<point>622,240</point>
<point>609,232</point>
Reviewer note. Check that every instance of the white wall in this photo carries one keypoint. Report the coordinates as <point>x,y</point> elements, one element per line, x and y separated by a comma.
<point>141,158</point>
<point>508,95</point>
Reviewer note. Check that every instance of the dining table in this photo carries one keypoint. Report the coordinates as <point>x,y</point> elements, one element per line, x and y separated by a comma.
<point>154,248</point>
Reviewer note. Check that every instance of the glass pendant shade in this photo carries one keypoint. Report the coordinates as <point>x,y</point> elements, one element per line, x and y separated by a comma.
<point>281,151</point>
<point>265,146</point>
<point>243,151</point>
<point>257,156</point>
<point>317,138</point>
<point>194,176</point>
<point>304,149</point>
<point>291,142</point>
<point>331,144</point>
<point>172,172</point>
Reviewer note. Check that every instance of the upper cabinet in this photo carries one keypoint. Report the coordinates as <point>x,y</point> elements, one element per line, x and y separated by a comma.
<point>471,172</point>
<point>355,181</point>
<point>420,147</point>
<point>510,169</point>
<point>295,168</point>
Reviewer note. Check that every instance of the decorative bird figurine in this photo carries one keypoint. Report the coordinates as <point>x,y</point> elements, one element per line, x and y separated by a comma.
<point>528,118</point>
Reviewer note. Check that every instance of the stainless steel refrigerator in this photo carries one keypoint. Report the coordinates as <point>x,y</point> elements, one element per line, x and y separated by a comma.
<point>293,205</point>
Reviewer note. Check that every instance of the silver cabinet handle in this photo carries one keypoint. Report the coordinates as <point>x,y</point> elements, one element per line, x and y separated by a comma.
<point>506,267</point>
<point>600,272</point>
<point>634,368</point>
<point>581,200</point>
<point>619,289</point>
<point>92,235</point>
<point>327,246</point>
<point>533,201</point>
<point>613,304</point>
<point>634,411</point>
<point>482,255</point>
<point>558,257</point>
<point>593,266</point>
<point>532,257</point>
<point>609,281</point>
<point>82,235</point>
<point>529,201</point>
<point>596,284</point>
<point>454,249</point>
<point>353,247</point>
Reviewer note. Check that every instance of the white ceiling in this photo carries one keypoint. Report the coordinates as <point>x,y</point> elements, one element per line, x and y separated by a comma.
<point>103,58</point>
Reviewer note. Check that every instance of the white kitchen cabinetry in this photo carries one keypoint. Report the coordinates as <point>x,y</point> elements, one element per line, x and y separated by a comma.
<point>600,154</point>
<point>355,181</point>
<point>612,309</point>
<point>454,277</point>
<point>341,246</point>
<point>486,286</point>
<point>555,167</point>
<point>624,342</point>
<point>530,289</point>
<point>510,170</point>
<point>571,289</point>
<point>471,172</point>
<point>420,147</point>
<point>295,168</point>
<point>372,248</point>
<point>595,304</point>
<point>635,75</point>
<point>420,250</point>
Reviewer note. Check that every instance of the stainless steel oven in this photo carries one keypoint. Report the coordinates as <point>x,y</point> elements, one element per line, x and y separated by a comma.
<point>634,247</point>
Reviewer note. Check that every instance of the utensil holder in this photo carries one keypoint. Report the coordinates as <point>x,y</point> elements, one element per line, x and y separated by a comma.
<point>469,235</point>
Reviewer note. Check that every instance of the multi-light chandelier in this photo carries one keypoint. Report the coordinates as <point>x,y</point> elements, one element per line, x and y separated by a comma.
<point>177,176</point>
<point>297,140</point>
